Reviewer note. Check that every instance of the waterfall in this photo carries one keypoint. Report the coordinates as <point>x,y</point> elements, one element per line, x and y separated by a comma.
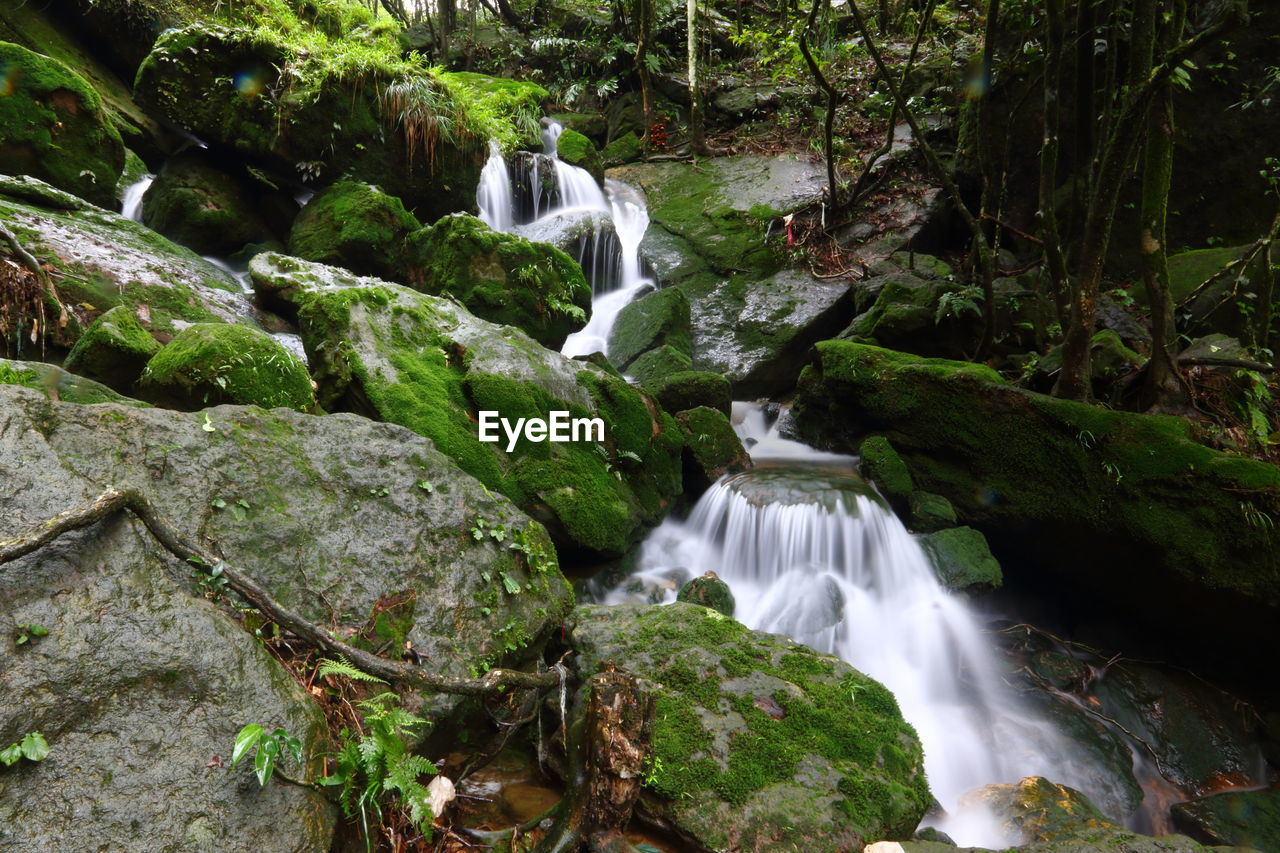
<point>601,229</point>
<point>131,204</point>
<point>811,552</point>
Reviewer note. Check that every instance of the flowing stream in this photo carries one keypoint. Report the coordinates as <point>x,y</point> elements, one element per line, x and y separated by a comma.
<point>810,551</point>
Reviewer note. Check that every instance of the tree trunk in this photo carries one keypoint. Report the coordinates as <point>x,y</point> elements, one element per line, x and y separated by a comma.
<point>697,133</point>
<point>644,31</point>
<point>1055,259</point>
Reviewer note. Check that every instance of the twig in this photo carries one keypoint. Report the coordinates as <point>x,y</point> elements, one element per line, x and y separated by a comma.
<point>114,500</point>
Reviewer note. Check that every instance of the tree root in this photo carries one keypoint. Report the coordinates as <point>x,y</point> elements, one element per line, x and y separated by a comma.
<point>115,500</point>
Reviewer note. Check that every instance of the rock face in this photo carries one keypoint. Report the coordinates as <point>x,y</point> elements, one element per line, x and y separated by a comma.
<point>502,278</point>
<point>211,363</point>
<point>57,384</point>
<point>759,743</point>
<point>1124,507</point>
<point>108,260</point>
<point>715,234</point>
<point>656,320</point>
<point>356,226</point>
<point>426,363</point>
<point>712,449</point>
<point>199,205</point>
<point>52,127</point>
<point>330,514</point>
<point>114,349</point>
<point>1243,818</point>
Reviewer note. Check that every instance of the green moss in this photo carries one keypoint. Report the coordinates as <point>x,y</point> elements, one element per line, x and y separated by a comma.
<point>963,560</point>
<point>1189,270</point>
<point>690,389</point>
<point>356,226</point>
<point>881,464</point>
<point>502,277</point>
<point>708,591</point>
<point>52,127</point>
<point>211,363</point>
<point>624,149</point>
<point>657,364</point>
<point>656,320</point>
<point>572,147</point>
<point>114,349</point>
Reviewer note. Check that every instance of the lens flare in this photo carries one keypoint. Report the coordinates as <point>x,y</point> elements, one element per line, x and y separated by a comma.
<point>249,84</point>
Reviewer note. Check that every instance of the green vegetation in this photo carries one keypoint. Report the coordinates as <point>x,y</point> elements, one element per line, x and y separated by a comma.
<point>32,747</point>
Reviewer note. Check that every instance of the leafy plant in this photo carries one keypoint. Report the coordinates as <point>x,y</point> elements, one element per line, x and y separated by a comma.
<point>1254,404</point>
<point>344,667</point>
<point>28,632</point>
<point>956,302</point>
<point>211,580</point>
<point>268,749</point>
<point>32,747</point>
<point>238,509</point>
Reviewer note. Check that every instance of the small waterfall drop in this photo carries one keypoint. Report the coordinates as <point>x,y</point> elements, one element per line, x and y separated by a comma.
<point>602,229</point>
<point>131,203</point>
<point>811,552</point>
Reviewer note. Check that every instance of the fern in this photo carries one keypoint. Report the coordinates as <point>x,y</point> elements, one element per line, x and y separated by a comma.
<point>344,667</point>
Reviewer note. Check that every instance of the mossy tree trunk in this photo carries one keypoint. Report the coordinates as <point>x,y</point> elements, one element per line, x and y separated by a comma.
<point>1055,260</point>
<point>697,131</point>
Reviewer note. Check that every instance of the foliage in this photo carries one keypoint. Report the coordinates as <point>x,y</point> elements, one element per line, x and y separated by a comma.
<point>28,632</point>
<point>32,747</point>
<point>268,750</point>
<point>344,667</point>
<point>371,766</point>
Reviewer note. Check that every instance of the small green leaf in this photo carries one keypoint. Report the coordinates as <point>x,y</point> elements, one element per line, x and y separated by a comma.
<point>264,762</point>
<point>22,639</point>
<point>34,747</point>
<point>509,584</point>
<point>10,755</point>
<point>38,630</point>
<point>218,503</point>
<point>248,738</point>
<point>208,426</point>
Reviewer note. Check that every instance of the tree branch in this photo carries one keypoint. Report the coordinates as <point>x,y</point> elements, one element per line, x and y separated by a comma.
<point>114,500</point>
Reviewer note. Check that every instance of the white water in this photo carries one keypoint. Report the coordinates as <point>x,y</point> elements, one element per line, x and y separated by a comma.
<point>807,555</point>
<point>577,194</point>
<point>131,204</point>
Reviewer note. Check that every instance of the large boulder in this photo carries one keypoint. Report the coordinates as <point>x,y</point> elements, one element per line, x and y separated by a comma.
<point>104,260</point>
<point>229,86</point>
<point>1124,509</point>
<point>1243,818</point>
<point>52,127</point>
<point>357,226</point>
<point>113,350</point>
<point>502,278</point>
<point>57,384</point>
<point>759,743</point>
<point>659,319</point>
<point>332,515</point>
<point>427,363</point>
<point>211,363</point>
<point>717,235</point>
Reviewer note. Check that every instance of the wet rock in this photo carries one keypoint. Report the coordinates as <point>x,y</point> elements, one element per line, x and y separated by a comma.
<point>357,226</point>
<point>935,316</point>
<point>57,384</point>
<point>930,512</point>
<point>692,388</point>
<point>711,449</point>
<point>709,591</point>
<point>879,463</point>
<point>212,363</point>
<point>1036,809</point>
<point>502,278</point>
<point>962,560</point>
<point>625,149</point>
<point>756,741</point>
<point>113,350</point>
<point>577,150</point>
<point>1240,818</point>
<point>53,127</point>
<point>658,364</point>
<point>657,320</point>
<point>197,203</point>
<point>427,363</point>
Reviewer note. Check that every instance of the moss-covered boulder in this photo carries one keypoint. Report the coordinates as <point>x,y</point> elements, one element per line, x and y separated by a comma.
<point>501,277</point>
<point>716,233</point>
<point>759,743</point>
<point>105,260</point>
<point>52,127</point>
<point>692,388</point>
<point>708,590</point>
<point>930,512</point>
<point>711,448</point>
<point>879,463</point>
<point>426,363</point>
<point>330,112</point>
<point>1122,508</point>
<point>920,313</point>
<point>357,226</point>
<point>656,320</point>
<point>212,363</point>
<point>625,149</point>
<point>114,349</point>
<point>1240,818</point>
<point>657,364</point>
<point>577,150</point>
<point>60,385</point>
<point>198,204</point>
<point>962,560</point>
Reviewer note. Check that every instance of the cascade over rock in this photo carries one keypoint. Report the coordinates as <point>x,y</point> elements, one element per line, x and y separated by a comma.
<point>1168,520</point>
<point>758,744</point>
<point>427,363</point>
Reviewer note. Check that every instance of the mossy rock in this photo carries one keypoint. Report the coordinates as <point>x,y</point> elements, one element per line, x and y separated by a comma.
<point>1240,818</point>
<point>577,150</point>
<point>357,226</point>
<point>198,204</point>
<point>759,743</point>
<point>594,126</point>
<point>625,149</point>
<point>52,127</point>
<point>962,560</point>
<point>1123,508</point>
<point>114,349</point>
<point>881,464</point>
<point>930,512</point>
<point>658,364</point>
<point>657,320</point>
<point>103,260</point>
<point>212,363</point>
<point>502,278</point>
<point>909,314</point>
<point>689,389</point>
<point>426,363</point>
<point>711,448</point>
<point>708,590</point>
<point>60,385</point>
<point>1110,360</point>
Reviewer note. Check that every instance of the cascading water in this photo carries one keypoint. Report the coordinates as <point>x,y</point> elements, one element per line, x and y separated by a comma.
<point>810,551</point>
<point>606,226</point>
<point>131,204</point>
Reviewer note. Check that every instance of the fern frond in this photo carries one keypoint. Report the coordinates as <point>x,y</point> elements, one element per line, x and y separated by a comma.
<point>342,666</point>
